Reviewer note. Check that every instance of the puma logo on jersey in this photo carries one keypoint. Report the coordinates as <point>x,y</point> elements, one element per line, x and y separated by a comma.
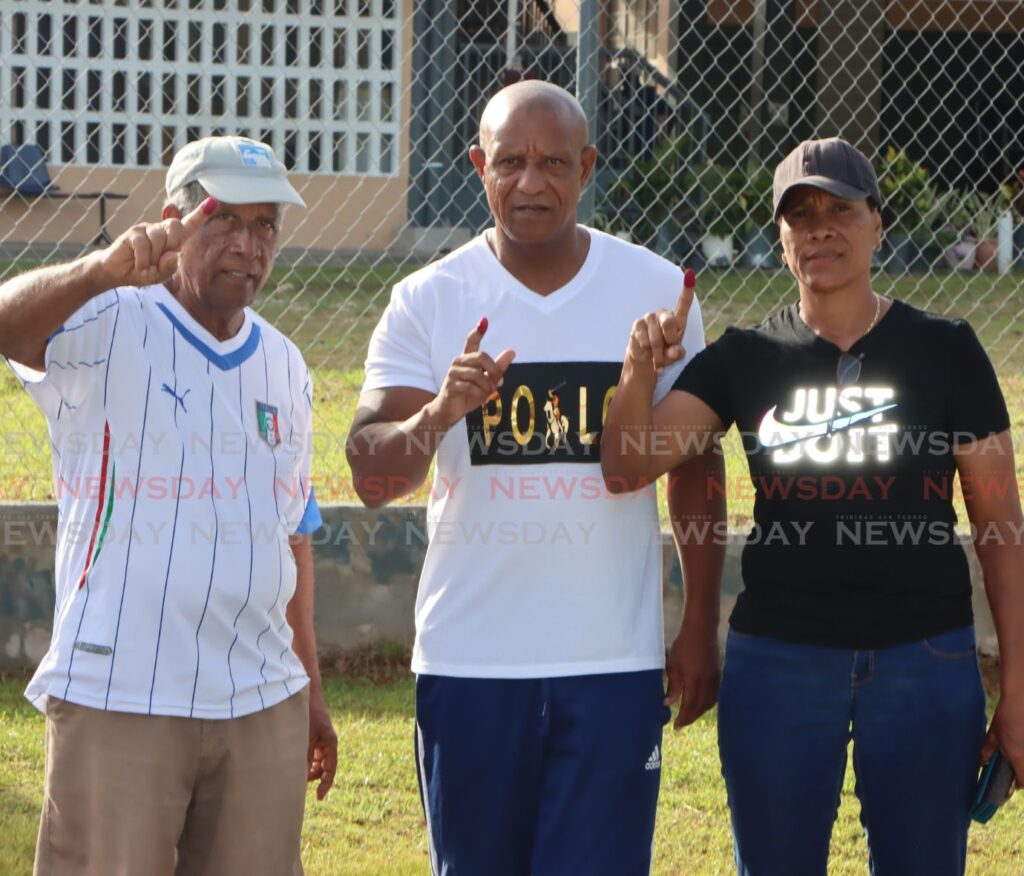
<point>178,399</point>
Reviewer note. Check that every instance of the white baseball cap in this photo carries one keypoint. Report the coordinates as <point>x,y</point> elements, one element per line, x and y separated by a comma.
<point>234,170</point>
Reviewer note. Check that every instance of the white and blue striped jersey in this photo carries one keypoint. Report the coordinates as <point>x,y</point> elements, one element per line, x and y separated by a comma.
<point>181,464</point>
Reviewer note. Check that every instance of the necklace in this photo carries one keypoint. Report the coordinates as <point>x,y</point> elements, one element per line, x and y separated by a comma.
<point>871,325</point>
<point>878,310</point>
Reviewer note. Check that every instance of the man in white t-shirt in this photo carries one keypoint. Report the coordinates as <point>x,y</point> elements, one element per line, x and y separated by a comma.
<point>181,687</point>
<point>539,647</point>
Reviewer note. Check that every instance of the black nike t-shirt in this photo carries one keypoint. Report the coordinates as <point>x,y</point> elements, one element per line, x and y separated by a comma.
<point>853,543</point>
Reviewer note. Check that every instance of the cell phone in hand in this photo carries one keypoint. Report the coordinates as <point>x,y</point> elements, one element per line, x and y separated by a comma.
<point>994,788</point>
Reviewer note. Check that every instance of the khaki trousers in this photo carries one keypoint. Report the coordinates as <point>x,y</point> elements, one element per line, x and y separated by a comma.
<point>149,795</point>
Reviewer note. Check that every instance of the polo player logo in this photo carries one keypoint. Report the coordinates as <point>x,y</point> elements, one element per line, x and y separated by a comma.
<point>544,413</point>
<point>557,434</point>
<point>266,421</point>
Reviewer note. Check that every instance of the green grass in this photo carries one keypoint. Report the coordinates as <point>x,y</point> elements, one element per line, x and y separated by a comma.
<point>331,311</point>
<point>371,823</point>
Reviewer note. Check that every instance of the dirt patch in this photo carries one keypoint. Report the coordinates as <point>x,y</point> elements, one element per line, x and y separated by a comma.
<point>377,664</point>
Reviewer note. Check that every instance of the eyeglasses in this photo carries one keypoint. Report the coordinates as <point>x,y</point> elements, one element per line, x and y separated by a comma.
<point>848,369</point>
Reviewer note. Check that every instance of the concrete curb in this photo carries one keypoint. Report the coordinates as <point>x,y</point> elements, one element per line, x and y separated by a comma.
<point>367,564</point>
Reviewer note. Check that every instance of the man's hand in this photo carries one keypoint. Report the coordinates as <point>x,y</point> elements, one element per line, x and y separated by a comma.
<point>322,755</point>
<point>1007,734</point>
<point>148,253</point>
<point>693,674</point>
<point>656,336</point>
<point>471,379</point>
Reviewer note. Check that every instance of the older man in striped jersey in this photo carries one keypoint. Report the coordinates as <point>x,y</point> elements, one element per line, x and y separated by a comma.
<point>181,687</point>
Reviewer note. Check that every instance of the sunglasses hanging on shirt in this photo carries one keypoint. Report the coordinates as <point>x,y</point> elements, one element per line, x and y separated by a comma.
<point>848,369</point>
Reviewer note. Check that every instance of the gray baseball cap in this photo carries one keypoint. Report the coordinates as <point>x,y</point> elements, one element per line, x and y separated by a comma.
<point>832,165</point>
<point>234,170</point>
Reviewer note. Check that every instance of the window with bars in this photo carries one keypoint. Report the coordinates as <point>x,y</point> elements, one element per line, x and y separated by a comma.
<point>125,83</point>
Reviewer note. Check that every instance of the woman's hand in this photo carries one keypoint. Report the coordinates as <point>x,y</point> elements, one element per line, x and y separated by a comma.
<point>1006,732</point>
<point>656,336</point>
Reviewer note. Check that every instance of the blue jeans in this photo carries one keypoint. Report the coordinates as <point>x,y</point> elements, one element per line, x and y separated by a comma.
<point>786,714</point>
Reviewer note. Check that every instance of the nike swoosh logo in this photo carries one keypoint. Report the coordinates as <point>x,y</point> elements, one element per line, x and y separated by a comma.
<point>773,434</point>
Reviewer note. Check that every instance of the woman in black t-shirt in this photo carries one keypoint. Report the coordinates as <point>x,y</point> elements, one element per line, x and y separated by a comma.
<point>855,621</point>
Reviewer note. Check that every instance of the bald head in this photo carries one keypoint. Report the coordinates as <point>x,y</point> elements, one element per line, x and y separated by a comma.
<point>529,97</point>
<point>534,160</point>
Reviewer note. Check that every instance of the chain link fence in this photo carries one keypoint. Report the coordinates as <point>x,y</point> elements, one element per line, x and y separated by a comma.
<point>373,104</point>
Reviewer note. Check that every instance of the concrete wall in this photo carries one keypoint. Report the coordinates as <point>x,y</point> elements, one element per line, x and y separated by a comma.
<point>344,211</point>
<point>367,563</point>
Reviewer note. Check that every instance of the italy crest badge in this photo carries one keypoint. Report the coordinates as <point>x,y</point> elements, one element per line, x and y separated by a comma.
<point>266,419</point>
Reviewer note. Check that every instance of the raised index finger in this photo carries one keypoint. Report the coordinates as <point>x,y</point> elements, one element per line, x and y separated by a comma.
<point>474,338</point>
<point>682,309</point>
<point>197,218</point>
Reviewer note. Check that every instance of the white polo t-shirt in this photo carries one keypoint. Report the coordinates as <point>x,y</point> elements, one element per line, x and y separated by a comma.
<point>533,569</point>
